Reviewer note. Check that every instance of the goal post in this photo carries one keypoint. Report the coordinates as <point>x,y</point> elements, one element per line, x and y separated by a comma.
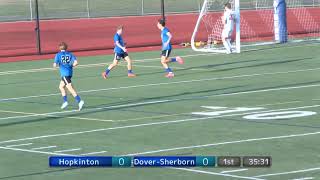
<point>257,22</point>
<point>209,26</point>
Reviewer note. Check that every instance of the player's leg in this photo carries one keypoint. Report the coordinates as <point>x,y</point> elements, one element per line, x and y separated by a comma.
<point>164,61</point>
<point>224,38</point>
<point>129,65</point>
<point>74,93</point>
<point>62,86</point>
<point>111,66</point>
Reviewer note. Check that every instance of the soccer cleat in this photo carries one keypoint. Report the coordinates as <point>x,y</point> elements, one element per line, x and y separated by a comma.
<point>180,60</point>
<point>104,75</point>
<point>130,75</point>
<point>170,75</point>
<point>64,105</point>
<point>81,103</point>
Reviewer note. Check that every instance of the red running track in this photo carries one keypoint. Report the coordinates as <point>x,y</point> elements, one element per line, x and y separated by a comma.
<point>95,36</point>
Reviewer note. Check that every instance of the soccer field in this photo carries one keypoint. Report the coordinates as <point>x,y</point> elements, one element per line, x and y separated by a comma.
<point>153,115</point>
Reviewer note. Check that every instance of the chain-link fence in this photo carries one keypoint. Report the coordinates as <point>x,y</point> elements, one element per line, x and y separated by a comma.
<point>18,10</point>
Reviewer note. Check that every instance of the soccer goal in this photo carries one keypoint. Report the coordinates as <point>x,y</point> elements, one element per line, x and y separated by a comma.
<point>257,23</point>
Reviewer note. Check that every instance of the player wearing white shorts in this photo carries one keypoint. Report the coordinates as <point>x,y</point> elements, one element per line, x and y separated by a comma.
<point>228,22</point>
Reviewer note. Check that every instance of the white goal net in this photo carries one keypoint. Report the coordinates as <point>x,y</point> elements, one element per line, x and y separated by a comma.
<point>255,24</point>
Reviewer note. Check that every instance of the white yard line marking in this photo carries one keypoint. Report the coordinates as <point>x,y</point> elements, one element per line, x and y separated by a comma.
<point>161,101</point>
<point>91,65</point>
<point>18,145</point>
<point>232,171</point>
<point>33,151</point>
<point>166,83</point>
<point>44,147</point>
<point>281,103</point>
<point>68,150</point>
<point>289,172</point>
<point>48,115</point>
<point>93,153</point>
<point>157,123</point>
<point>218,174</point>
<point>305,178</point>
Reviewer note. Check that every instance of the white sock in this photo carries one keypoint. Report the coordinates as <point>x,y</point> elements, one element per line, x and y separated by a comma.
<point>226,45</point>
<point>229,44</point>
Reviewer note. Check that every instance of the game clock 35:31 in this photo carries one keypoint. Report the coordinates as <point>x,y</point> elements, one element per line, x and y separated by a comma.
<point>257,161</point>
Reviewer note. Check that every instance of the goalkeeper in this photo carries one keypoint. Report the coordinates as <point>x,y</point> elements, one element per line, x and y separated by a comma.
<point>228,22</point>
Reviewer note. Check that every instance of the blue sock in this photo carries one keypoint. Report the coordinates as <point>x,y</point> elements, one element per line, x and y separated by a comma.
<point>65,99</point>
<point>130,72</point>
<point>107,71</point>
<point>78,99</point>
<point>168,70</point>
<point>173,59</point>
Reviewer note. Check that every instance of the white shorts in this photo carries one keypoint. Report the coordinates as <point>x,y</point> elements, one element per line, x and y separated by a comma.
<point>227,33</point>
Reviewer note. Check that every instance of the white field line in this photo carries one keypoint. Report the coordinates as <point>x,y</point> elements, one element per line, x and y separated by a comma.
<point>166,83</point>
<point>223,143</point>
<point>33,151</point>
<point>93,153</point>
<point>44,147</point>
<point>37,114</point>
<point>134,119</point>
<point>160,101</point>
<point>217,174</point>
<point>290,172</point>
<point>232,171</point>
<point>92,65</point>
<point>305,178</point>
<point>18,145</point>
<point>151,124</point>
<point>68,150</point>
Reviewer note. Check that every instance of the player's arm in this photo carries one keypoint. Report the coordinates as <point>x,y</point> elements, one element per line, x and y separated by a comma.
<point>74,60</point>
<point>122,47</point>
<point>56,62</point>
<point>169,39</point>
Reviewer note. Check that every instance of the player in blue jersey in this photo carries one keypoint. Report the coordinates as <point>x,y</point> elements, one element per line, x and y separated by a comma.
<point>120,51</point>
<point>66,61</point>
<point>166,37</point>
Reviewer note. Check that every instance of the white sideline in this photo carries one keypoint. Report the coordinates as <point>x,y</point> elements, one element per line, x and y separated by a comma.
<point>166,83</point>
<point>218,174</point>
<point>149,124</point>
<point>93,153</point>
<point>235,170</point>
<point>289,172</point>
<point>33,151</point>
<point>92,65</point>
<point>44,147</point>
<point>68,150</point>
<point>160,101</point>
<point>305,178</point>
<point>18,145</point>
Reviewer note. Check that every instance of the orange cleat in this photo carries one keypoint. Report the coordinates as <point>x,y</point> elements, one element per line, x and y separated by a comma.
<point>180,60</point>
<point>131,75</point>
<point>104,75</point>
<point>170,75</point>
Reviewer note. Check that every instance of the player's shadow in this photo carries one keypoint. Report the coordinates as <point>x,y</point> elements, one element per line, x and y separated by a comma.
<point>242,67</point>
<point>123,105</point>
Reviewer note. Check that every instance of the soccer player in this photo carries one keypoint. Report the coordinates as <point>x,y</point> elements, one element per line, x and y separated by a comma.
<point>120,53</point>
<point>166,37</point>
<point>66,61</point>
<point>228,22</point>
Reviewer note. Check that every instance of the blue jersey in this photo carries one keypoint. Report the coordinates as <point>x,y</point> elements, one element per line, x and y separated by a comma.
<point>165,38</point>
<point>65,61</point>
<point>118,38</point>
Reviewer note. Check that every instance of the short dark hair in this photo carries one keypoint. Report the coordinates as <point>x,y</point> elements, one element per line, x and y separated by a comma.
<point>63,46</point>
<point>228,5</point>
<point>120,27</point>
<point>162,22</point>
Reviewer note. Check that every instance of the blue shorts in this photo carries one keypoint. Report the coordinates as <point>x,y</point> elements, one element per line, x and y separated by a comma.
<point>119,56</point>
